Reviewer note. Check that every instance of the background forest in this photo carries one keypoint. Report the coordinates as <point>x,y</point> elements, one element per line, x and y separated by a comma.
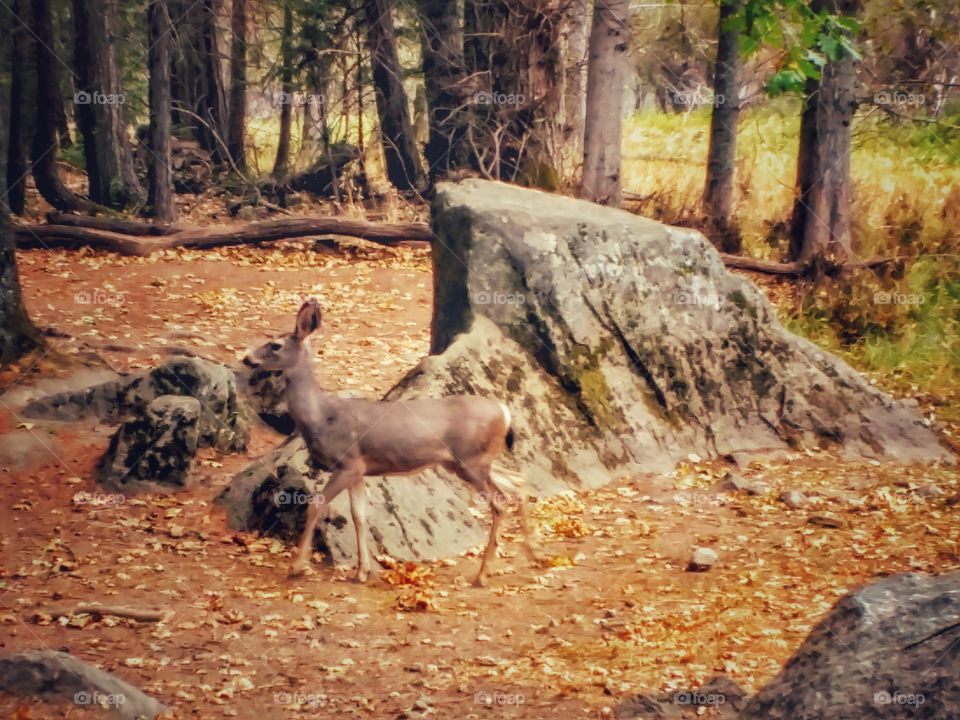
<point>697,116</point>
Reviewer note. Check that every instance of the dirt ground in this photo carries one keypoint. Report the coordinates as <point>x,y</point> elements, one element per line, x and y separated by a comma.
<point>617,612</point>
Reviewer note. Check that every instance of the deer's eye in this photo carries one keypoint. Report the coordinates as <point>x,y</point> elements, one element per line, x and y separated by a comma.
<point>275,346</point>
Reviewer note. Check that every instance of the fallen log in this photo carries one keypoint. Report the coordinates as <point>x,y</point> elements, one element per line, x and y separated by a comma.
<point>285,228</point>
<point>794,269</point>
<point>98,610</point>
<point>114,225</point>
<point>43,236</point>
<point>51,236</point>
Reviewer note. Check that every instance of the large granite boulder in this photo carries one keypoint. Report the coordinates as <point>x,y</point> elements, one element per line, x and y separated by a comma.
<point>153,451</point>
<point>621,346</point>
<point>60,677</point>
<point>224,417</point>
<point>888,650</point>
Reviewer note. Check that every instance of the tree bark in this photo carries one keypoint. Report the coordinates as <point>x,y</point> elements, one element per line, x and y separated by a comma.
<point>286,85</point>
<point>606,74</point>
<point>17,334</point>
<point>22,107</point>
<point>160,197</point>
<point>399,145</point>
<point>722,154</point>
<point>99,103</point>
<point>445,80</point>
<point>820,225</point>
<point>44,145</point>
<point>238,83</point>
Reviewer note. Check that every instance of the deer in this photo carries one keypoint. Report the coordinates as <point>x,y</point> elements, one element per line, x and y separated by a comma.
<point>354,438</point>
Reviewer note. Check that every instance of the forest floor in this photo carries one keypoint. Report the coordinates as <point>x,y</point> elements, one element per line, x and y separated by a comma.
<point>615,614</point>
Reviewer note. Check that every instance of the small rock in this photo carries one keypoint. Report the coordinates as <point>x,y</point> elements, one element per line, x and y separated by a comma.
<point>153,452</point>
<point>176,531</point>
<point>793,499</point>
<point>826,521</point>
<point>703,559</point>
<point>929,491</point>
<point>735,483</point>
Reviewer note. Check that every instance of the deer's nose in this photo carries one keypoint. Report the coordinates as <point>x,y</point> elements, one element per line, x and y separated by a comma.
<point>249,362</point>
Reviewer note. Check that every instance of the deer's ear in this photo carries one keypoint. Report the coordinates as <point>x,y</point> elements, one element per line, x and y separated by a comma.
<point>308,319</point>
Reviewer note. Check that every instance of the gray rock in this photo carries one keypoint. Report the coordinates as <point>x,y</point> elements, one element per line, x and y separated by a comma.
<point>224,417</point>
<point>702,559</point>
<point>793,499</point>
<point>888,650</point>
<point>60,676</point>
<point>930,491</point>
<point>621,346</point>
<point>153,451</point>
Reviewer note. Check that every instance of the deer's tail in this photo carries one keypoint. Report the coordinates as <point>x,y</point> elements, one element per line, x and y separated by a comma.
<point>510,437</point>
<point>508,482</point>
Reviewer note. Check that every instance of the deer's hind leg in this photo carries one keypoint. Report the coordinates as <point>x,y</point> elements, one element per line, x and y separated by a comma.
<point>477,475</point>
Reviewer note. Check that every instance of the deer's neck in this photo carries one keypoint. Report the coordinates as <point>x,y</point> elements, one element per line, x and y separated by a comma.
<point>300,380</point>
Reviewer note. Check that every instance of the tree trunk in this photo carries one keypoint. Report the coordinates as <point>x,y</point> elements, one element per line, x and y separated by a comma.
<point>820,226</point>
<point>286,84</point>
<point>722,155</point>
<point>238,83</point>
<point>99,103</point>
<point>17,334</point>
<point>399,145</point>
<point>198,78</point>
<point>575,75</point>
<point>445,80</point>
<point>22,107</point>
<point>606,75</point>
<point>44,145</point>
<point>514,52</point>
<point>159,170</point>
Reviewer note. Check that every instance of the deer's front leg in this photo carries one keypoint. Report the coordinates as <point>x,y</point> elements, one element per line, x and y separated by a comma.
<point>358,508</point>
<point>320,505</point>
<point>315,509</point>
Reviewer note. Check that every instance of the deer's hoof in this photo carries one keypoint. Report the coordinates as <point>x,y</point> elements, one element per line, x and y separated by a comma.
<point>297,569</point>
<point>480,581</point>
<point>361,576</point>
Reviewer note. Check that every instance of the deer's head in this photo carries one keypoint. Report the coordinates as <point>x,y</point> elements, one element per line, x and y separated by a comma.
<point>284,352</point>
